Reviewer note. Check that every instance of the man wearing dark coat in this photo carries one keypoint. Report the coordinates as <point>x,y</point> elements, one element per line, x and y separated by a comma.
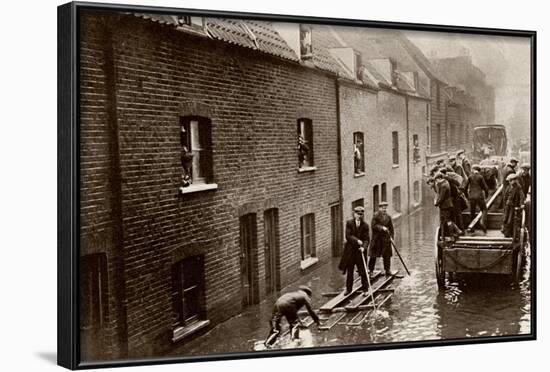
<point>464,162</point>
<point>509,169</point>
<point>525,178</point>
<point>288,305</point>
<point>477,190</point>
<point>382,233</point>
<point>357,237</point>
<point>457,168</point>
<point>444,201</point>
<point>513,198</point>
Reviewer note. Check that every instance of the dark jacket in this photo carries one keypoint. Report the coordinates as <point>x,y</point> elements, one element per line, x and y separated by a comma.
<point>525,182</point>
<point>351,254</point>
<point>508,170</point>
<point>291,302</point>
<point>467,167</point>
<point>514,196</point>
<point>475,186</point>
<point>444,199</point>
<point>381,243</point>
<point>457,168</point>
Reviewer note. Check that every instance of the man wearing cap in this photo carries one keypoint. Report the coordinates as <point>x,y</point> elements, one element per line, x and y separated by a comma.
<point>357,238</point>
<point>288,306</point>
<point>513,198</point>
<point>382,233</point>
<point>458,198</point>
<point>509,169</point>
<point>445,203</point>
<point>477,190</point>
<point>464,162</point>
<point>525,178</point>
<point>457,168</point>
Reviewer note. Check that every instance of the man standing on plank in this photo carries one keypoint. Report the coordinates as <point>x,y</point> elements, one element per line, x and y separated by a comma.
<point>382,233</point>
<point>357,237</point>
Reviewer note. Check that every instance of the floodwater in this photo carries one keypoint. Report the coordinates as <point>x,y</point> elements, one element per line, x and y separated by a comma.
<point>473,306</point>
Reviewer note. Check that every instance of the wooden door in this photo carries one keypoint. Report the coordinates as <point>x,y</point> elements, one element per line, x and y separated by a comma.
<point>248,259</point>
<point>336,230</point>
<point>271,250</point>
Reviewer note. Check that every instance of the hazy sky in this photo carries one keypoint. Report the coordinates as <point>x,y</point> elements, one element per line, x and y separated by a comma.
<point>504,60</point>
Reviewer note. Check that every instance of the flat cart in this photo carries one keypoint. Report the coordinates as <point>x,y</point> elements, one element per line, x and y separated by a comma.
<point>490,253</point>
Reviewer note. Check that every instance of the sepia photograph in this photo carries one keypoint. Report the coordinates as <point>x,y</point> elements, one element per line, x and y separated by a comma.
<point>258,185</point>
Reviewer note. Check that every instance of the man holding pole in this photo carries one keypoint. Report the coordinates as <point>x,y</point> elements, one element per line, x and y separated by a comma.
<point>357,237</point>
<point>382,235</point>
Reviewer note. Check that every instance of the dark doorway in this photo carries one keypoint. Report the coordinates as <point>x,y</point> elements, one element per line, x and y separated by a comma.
<point>271,250</point>
<point>248,237</point>
<point>336,230</point>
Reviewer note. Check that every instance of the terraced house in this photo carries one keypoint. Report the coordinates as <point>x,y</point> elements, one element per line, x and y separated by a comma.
<point>220,158</point>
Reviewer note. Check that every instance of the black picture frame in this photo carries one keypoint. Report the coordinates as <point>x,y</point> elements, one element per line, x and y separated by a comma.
<point>69,181</point>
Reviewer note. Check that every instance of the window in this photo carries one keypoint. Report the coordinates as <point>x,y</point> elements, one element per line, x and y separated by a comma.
<point>358,153</point>
<point>93,291</point>
<point>196,156</point>
<point>415,80</point>
<point>416,191</point>
<point>187,291</point>
<point>375,197</point>
<point>358,63</point>
<point>396,198</point>
<point>306,48</point>
<point>437,96</point>
<point>384,192</point>
<point>307,227</point>
<point>305,143</point>
<point>416,149</point>
<point>357,203</point>
<point>395,147</point>
<point>190,21</point>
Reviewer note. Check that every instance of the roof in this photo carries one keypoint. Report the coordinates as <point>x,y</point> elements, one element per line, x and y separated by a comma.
<point>420,58</point>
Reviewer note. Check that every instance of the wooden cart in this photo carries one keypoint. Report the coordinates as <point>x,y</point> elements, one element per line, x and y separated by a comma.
<point>490,253</point>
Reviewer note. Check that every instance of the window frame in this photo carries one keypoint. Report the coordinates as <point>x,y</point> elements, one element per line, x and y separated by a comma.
<point>396,199</point>
<point>305,131</point>
<point>416,191</point>
<point>375,197</point>
<point>307,237</point>
<point>384,192</point>
<point>395,147</point>
<point>361,169</point>
<point>198,144</point>
<point>182,285</point>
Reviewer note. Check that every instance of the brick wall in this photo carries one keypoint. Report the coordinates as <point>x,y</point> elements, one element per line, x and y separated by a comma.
<point>254,102</point>
<point>418,122</point>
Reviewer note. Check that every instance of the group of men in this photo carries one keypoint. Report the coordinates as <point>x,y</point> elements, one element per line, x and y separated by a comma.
<point>458,184</point>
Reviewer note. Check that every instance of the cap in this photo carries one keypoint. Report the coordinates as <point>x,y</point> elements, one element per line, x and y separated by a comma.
<point>511,177</point>
<point>476,167</point>
<point>443,170</point>
<point>438,175</point>
<point>440,161</point>
<point>359,210</point>
<point>434,169</point>
<point>383,204</point>
<point>459,152</point>
<point>452,157</point>
<point>306,289</point>
<point>526,166</point>
<point>513,160</point>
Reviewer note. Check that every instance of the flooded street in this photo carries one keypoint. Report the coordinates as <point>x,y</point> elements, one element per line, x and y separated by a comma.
<point>471,306</point>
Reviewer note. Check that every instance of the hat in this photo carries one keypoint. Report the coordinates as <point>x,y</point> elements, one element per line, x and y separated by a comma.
<point>306,289</point>
<point>438,175</point>
<point>476,167</point>
<point>383,204</point>
<point>513,160</point>
<point>526,166</point>
<point>443,170</point>
<point>511,177</point>
<point>359,210</point>
<point>440,161</point>
<point>452,157</point>
<point>459,152</point>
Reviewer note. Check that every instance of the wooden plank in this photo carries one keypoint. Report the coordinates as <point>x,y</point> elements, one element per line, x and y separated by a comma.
<point>338,300</point>
<point>358,319</point>
<point>489,203</point>
<point>360,301</point>
<point>332,321</point>
<point>471,260</point>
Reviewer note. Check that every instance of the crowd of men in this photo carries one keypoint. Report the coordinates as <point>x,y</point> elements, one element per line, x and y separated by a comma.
<point>458,185</point>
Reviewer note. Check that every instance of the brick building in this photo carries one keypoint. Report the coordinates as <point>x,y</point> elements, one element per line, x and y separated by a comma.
<point>169,100</point>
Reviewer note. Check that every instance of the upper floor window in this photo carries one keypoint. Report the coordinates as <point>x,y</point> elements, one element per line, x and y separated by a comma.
<point>190,21</point>
<point>358,153</point>
<point>395,147</point>
<point>416,149</point>
<point>196,151</point>
<point>306,46</point>
<point>305,143</point>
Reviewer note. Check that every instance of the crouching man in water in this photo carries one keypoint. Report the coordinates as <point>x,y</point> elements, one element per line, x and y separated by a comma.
<point>288,305</point>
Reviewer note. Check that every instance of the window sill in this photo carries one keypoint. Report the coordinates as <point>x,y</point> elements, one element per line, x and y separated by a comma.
<point>396,216</point>
<point>395,166</point>
<point>182,332</point>
<point>197,188</point>
<point>357,175</point>
<point>306,169</point>
<point>308,262</point>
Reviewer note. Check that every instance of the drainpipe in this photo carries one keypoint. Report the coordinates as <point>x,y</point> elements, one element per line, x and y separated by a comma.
<point>408,156</point>
<point>339,150</point>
